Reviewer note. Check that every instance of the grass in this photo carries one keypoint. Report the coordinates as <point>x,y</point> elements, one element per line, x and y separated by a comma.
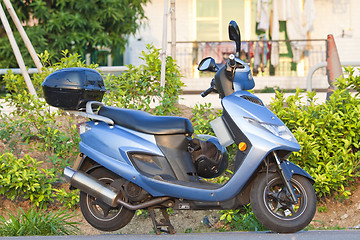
<point>323,227</point>
<point>38,222</point>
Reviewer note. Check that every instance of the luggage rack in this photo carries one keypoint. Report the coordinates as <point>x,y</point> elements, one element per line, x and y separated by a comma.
<point>89,113</point>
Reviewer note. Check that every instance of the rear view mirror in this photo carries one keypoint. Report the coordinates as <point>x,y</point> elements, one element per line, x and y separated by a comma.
<point>234,35</point>
<point>208,64</point>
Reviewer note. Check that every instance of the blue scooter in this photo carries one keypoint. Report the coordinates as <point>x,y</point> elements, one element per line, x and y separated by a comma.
<point>133,160</point>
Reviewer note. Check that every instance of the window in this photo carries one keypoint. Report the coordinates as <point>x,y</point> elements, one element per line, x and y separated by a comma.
<point>213,17</point>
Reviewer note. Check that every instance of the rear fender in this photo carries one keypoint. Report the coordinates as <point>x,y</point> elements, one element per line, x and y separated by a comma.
<point>84,163</point>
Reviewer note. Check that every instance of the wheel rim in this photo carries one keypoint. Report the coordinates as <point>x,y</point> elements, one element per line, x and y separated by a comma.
<point>99,209</point>
<point>279,204</point>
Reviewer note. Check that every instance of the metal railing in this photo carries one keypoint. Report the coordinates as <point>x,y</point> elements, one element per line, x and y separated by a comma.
<point>189,54</point>
<point>324,65</point>
<point>104,70</point>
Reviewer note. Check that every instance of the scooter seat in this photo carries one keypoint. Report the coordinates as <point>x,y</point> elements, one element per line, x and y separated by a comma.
<point>145,122</point>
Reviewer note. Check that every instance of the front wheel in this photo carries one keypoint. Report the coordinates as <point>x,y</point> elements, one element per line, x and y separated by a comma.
<point>273,208</point>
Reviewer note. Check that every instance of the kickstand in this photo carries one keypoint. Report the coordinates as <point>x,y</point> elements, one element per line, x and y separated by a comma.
<point>164,222</point>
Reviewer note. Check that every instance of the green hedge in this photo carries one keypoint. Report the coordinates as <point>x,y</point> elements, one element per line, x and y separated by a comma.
<point>328,134</point>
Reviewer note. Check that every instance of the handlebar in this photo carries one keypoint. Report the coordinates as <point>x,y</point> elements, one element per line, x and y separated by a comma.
<point>207,91</point>
<point>211,89</point>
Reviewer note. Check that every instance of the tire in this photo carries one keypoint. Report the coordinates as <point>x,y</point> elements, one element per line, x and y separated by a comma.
<point>100,215</point>
<point>272,207</point>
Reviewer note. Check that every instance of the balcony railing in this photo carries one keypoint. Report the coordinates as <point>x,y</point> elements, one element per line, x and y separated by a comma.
<point>257,53</point>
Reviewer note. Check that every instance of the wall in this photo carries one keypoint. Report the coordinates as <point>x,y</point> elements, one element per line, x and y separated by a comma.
<point>337,17</point>
<point>152,31</point>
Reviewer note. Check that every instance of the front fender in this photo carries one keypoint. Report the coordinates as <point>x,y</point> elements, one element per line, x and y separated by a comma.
<point>290,169</point>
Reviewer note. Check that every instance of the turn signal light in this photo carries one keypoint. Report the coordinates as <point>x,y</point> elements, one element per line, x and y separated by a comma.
<point>242,146</point>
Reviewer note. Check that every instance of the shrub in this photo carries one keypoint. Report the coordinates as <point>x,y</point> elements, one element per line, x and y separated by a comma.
<point>22,178</point>
<point>33,118</point>
<point>69,199</point>
<point>240,220</point>
<point>39,222</point>
<point>138,87</point>
<point>327,133</point>
<point>203,114</point>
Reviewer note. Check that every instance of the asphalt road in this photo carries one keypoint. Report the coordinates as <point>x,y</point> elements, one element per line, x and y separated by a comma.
<point>308,235</point>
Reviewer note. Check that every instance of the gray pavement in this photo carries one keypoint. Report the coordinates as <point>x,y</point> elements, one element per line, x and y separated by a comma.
<point>303,235</point>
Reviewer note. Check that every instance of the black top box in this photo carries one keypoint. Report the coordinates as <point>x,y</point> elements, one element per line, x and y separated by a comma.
<point>72,88</point>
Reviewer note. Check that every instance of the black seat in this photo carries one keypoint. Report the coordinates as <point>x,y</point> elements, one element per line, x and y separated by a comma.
<point>147,123</point>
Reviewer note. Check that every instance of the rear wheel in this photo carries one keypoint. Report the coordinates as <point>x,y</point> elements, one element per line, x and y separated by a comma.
<point>100,215</point>
<point>273,208</point>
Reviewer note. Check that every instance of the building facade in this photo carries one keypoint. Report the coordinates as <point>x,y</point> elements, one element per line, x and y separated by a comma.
<point>202,24</point>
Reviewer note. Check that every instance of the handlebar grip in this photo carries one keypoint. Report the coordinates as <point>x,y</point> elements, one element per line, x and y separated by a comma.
<point>207,92</point>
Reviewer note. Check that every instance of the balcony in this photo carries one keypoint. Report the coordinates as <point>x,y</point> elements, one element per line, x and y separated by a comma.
<point>286,75</point>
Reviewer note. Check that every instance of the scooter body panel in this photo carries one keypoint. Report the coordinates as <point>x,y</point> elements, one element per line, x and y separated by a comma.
<point>111,152</point>
<point>240,110</point>
<point>159,188</point>
<point>114,141</point>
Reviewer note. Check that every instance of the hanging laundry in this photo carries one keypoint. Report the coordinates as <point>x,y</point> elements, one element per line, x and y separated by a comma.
<point>309,15</point>
<point>257,58</point>
<point>266,51</point>
<point>244,51</point>
<point>275,34</point>
<point>283,9</point>
<point>298,24</point>
<point>262,15</point>
<point>260,55</point>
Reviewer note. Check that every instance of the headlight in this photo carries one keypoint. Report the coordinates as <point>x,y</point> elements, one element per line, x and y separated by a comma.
<point>278,130</point>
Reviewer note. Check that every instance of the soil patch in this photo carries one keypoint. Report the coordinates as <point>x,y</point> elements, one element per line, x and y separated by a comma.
<point>340,213</point>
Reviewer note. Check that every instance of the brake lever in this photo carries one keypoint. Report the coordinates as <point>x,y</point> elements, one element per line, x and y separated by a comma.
<point>211,89</point>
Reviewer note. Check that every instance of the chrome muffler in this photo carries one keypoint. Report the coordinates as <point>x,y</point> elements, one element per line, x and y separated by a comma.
<point>92,186</point>
<point>104,192</point>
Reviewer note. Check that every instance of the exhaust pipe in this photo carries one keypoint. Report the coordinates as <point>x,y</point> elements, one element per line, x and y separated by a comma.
<point>92,186</point>
<point>106,193</point>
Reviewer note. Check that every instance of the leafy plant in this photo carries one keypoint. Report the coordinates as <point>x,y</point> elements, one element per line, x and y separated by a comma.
<point>22,178</point>
<point>322,209</point>
<point>64,24</point>
<point>39,222</point>
<point>267,89</point>
<point>142,212</point>
<point>33,118</point>
<point>70,199</point>
<point>223,178</point>
<point>203,114</point>
<point>240,220</point>
<point>327,133</point>
<point>139,87</point>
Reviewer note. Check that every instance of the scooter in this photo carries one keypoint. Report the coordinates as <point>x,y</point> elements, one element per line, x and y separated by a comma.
<point>133,160</point>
